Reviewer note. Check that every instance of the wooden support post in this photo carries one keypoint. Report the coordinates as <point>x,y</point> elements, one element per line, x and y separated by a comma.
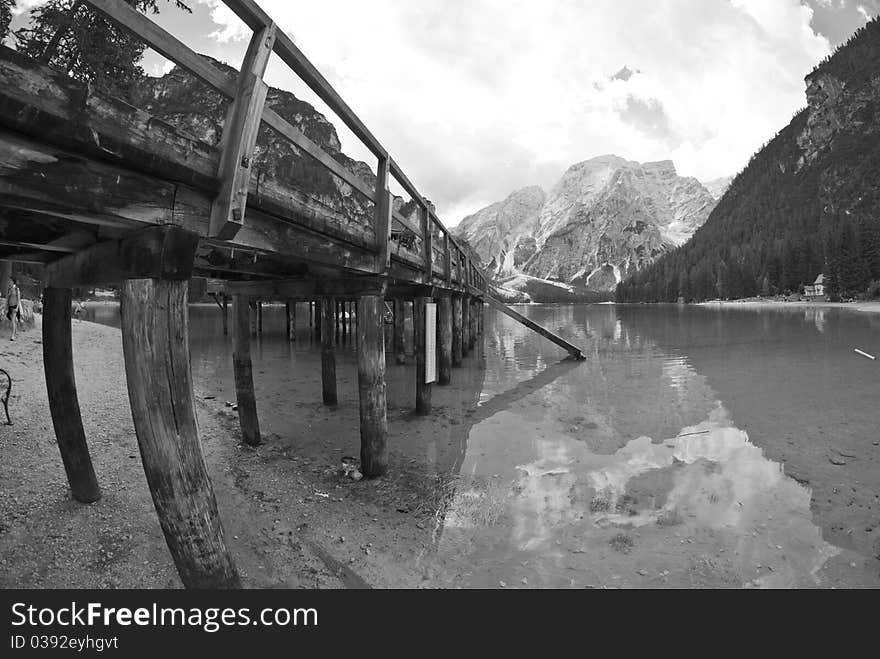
<point>337,317</point>
<point>456,331</point>
<point>371,385</point>
<point>383,209</point>
<point>423,389</point>
<point>63,402</point>
<point>290,309</point>
<point>444,340</point>
<point>399,331</point>
<point>240,137</point>
<point>259,316</point>
<point>345,317</point>
<point>447,259</point>
<point>481,342</point>
<point>157,368</point>
<point>472,337</point>
<point>427,227</point>
<point>328,358</point>
<point>244,372</point>
<point>225,316</point>
<point>465,325</point>
<point>252,316</point>
<point>316,305</point>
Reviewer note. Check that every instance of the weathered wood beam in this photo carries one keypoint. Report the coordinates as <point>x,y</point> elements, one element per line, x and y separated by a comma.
<point>44,103</point>
<point>157,367</point>
<point>371,385</point>
<point>43,178</point>
<point>240,137</point>
<point>153,252</point>
<point>63,401</point>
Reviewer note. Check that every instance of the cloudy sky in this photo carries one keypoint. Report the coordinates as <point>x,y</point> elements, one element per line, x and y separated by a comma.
<point>476,98</point>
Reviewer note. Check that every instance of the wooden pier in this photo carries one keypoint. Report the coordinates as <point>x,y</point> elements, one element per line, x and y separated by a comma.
<point>100,192</point>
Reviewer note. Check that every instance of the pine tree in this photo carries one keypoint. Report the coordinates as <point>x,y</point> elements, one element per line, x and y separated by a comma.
<point>70,35</point>
<point>5,17</point>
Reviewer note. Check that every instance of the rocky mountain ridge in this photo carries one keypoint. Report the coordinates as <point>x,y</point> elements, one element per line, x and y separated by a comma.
<point>606,218</point>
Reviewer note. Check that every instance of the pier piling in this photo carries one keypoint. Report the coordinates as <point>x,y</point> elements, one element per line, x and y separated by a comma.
<point>328,357</point>
<point>157,367</point>
<point>371,385</point>
<point>243,371</point>
<point>63,402</point>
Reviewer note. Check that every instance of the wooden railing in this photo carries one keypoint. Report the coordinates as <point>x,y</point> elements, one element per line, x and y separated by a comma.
<point>439,254</point>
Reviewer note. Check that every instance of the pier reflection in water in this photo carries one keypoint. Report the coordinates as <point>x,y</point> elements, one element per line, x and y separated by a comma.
<point>661,461</point>
<point>648,465</point>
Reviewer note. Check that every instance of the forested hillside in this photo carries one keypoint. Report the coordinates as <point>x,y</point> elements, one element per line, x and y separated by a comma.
<point>808,203</point>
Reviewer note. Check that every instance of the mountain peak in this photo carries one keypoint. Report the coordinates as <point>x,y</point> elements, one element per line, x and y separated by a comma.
<point>605,215</point>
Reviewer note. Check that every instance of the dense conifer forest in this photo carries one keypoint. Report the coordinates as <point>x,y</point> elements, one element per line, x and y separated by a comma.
<point>785,220</point>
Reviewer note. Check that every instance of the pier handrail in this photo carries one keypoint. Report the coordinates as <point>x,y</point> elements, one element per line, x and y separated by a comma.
<point>248,95</point>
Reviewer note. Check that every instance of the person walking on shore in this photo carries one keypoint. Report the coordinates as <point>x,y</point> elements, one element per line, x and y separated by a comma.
<point>13,298</point>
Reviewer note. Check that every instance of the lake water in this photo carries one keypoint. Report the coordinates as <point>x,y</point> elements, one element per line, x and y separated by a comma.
<point>694,447</point>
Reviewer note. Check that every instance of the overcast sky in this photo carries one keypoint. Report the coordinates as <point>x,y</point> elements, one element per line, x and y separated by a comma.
<point>477,98</point>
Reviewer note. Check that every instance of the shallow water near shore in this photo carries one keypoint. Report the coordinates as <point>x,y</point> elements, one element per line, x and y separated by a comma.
<point>693,447</point>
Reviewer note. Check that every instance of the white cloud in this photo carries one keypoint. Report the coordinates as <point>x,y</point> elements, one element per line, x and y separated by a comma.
<point>475,98</point>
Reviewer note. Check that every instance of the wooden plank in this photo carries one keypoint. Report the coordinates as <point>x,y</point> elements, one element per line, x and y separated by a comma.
<point>39,178</point>
<point>401,178</point>
<point>152,252</point>
<point>407,222</point>
<point>44,103</point>
<point>573,350</point>
<point>63,401</point>
<point>56,110</point>
<point>155,344</point>
<point>328,358</point>
<point>243,371</point>
<point>285,129</point>
<point>371,385</point>
<point>240,137</point>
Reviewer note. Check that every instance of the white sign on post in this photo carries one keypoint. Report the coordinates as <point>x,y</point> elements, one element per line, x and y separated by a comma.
<point>430,343</point>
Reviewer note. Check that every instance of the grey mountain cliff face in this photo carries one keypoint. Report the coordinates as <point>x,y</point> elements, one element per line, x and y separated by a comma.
<point>605,218</point>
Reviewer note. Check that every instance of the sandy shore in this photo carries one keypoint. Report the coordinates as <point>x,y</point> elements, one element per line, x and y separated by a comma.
<point>866,307</point>
<point>291,520</point>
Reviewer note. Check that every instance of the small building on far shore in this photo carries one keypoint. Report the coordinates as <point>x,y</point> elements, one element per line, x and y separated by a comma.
<point>817,289</point>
